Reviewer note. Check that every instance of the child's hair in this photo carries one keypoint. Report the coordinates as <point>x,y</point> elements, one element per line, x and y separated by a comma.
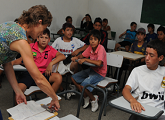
<point>68,17</point>
<point>161,28</point>
<point>98,19</point>
<point>46,31</point>
<point>152,26</point>
<point>88,16</point>
<point>133,23</point>
<point>95,33</point>
<point>157,45</point>
<point>105,20</point>
<point>67,25</point>
<point>34,14</point>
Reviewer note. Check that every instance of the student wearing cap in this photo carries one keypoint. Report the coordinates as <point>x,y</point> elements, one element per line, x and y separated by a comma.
<point>138,47</point>
<point>98,25</point>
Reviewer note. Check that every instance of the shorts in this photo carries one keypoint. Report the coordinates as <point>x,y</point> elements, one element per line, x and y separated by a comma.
<point>88,76</point>
<point>125,43</point>
<point>26,79</point>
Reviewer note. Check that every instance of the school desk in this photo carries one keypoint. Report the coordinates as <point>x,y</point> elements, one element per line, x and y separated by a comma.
<point>150,113</point>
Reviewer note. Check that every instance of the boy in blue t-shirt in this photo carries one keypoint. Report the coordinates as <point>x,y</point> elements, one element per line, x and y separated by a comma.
<point>151,35</point>
<point>130,37</point>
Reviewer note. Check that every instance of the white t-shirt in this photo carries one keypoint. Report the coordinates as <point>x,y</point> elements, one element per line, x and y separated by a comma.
<point>67,48</point>
<point>147,84</point>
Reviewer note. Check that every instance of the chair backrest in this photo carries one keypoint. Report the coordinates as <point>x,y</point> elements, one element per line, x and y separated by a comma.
<point>114,60</point>
<point>113,34</point>
<point>111,44</point>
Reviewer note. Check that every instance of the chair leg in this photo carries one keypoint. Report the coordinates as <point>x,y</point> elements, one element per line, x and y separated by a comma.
<point>105,106</point>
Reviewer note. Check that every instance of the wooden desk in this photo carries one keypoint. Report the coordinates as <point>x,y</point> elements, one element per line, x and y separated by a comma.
<point>149,113</point>
<point>128,55</point>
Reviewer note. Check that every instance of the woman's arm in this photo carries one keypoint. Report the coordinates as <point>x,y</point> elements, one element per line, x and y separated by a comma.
<point>22,47</point>
<point>8,68</point>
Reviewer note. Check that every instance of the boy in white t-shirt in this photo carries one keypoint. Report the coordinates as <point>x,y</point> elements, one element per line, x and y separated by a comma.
<point>69,45</point>
<point>147,81</point>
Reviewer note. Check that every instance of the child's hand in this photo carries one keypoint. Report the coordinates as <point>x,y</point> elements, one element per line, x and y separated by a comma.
<point>75,53</point>
<point>74,58</point>
<point>48,70</point>
<point>136,106</point>
<point>81,61</point>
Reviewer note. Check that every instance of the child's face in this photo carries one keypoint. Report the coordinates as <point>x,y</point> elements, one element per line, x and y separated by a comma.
<point>160,35</point>
<point>152,59</point>
<point>87,18</point>
<point>133,27</point>
<point>140,37</point>
<point>97,26</point>
<point>150,30</point>
<point>93,41</point>
<point>43,40</point>
<point>69,20</point>
<point>104,23</point>
<point>68,32</point>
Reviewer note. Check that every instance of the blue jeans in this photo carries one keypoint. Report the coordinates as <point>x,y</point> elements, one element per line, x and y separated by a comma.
<point>1,115</point>
<point>88,76</point>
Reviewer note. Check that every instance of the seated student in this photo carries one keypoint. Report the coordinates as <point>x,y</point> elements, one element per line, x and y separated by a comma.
<point>138,47</point>
<point>68,19</point>
<point>151,35</point>
<point>92,75</point>
<point>69,46</point>
<point>106,27</point>
<point>146,81</point>
<point>161,33</point>
<point>130,34</point>
<point>88,25</point>
<point>43,54</point>
<point>98,25</point>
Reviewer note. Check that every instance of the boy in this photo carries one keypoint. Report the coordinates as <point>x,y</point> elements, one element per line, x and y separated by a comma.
<point>130,34</point>
<point>106,27</point>
<point>138,47</point>
<point>43,55</point>
<point>161,33</point>
<point>97,26</point>
<point>92,75</point>
<point>151,35</point>
<point>69,45</point>
<point>146,80</point>
<point>68,19</point>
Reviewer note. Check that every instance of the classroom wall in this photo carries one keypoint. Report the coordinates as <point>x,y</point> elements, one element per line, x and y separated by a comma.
<point>11,9</point>
<point>120,13</point>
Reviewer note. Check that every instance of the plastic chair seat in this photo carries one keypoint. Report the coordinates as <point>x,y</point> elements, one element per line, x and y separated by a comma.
<point>32,90</point>
<point>69,117</point>
<point>107,81</point>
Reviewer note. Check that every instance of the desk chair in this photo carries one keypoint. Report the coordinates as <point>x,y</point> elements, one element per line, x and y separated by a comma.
<point>150,113</point>
<point>114,61</point>
<point>113,35</point>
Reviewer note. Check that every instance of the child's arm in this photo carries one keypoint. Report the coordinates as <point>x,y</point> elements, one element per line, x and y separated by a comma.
<point>79,50</point>
<point>135,105</point>
<point>122,34</point>
<point>60,32</point>
<point>77,57</point>
<point>108,28</point>
<point>96,62</point>
<point>59,57</point>
<point>22,47</point>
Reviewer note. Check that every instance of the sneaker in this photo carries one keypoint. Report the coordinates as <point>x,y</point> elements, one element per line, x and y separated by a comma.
<point>94,104</point>
<point>72,87</point>
<point>86,102</point>
<point>110,88</point>
<point>68,95</point>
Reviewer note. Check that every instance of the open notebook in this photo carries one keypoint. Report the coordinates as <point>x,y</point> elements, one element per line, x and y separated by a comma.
<point>31,111</point>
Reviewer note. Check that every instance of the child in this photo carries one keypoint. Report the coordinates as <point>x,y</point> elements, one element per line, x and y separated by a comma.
<point>138,47</point>
<point>97,26</point>
<point>146,81</point>
<point>88,25</point>
<point>68,19</point>
<point>130,34</point>
<point>92,75</point>
<point>43,55</point>
<point>13,40</point>
<point>161,33</point>
<point>151,35</point>
<point>69,45</point>
<point>106,27</point>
